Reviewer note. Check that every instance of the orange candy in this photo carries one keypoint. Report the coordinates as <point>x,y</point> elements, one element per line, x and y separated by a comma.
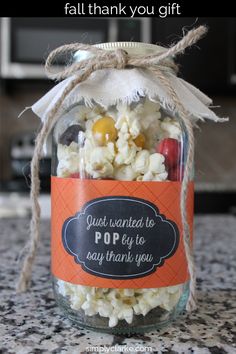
<point>104,130</point>
<point>140,140</point>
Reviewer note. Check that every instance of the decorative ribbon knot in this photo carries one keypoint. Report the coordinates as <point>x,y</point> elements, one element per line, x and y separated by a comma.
<point>121,58</point>
<point>158,63</point>
<point>118,58</point>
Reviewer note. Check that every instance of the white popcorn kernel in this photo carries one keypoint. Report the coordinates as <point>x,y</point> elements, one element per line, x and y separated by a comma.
<point>110,151</point>
<point>148,176</point>
<point>135,128</point>
<point>137,309</point>
<point>113,320</point>
<point>83,113</point>
<point>171,128</point>
<point>144,306</point>
<point>112,294</point>
<point>90,296</point>
<point>99,162</point>
<point>86,305</point>
<point>128,120</point>
<point>62,288</point>
<point>174,299</point>
<point>125,173</point>
<point>89,308</point>
<point>128,314</point>
<point>77,301</point>
<point>138,109</point>
<point>153,300</point>
<point>166,302</point>
<point>140,164</point>
<point>150,114</point>
<point>151,106</point>
<point>173,289</point>
<point>68,159</point>
<point>104,308</point>
<point>152,133</point>
<point>156,163</point>
<point>116,303</point>
<point>128,292</point>
<point>64,151</point>
<point>161,176</point>
<point>126,153</point>
<point>124,128</point>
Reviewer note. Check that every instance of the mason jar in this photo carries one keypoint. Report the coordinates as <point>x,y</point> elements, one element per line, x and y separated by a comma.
<point>118,258</point>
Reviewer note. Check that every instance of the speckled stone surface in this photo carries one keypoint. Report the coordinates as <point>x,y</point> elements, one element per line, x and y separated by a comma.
<point>32,323</point>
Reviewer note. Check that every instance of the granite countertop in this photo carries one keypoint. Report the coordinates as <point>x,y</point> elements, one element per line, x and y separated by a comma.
<point>32,323</point>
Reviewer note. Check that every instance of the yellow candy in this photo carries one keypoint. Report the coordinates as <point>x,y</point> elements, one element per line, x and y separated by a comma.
<point>104,130</point>
<point>140,140</point>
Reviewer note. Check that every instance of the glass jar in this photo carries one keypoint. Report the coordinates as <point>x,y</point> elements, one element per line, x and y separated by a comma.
<point>118,259</point>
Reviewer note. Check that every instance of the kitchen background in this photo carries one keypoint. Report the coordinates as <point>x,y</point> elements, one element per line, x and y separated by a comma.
<point>210,65</point>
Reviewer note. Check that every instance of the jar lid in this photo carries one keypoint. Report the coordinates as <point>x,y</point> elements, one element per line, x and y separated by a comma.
<point>135,48</point>
<point>132,47</point>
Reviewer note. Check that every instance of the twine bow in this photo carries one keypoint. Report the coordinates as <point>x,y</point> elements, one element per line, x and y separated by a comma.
<point>119,59</point>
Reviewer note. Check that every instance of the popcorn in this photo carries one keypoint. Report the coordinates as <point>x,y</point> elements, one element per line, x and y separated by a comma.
<point>170,128</point>
<point>153,299</point>
<point>126,314</point>
<point>151,112</point>
<point>118,304</point>
<point>126,150</point>
<point>143,305</point>
<point>98,159</point>
<point>89,308</point>
<point>141,162</point>
<point>152,133</point>
<point>161,177</point>
<point>137,309</point>
<point>99,163</point>
<point>128,121</point>
<point>83,113</point>
<point>149,176</point>
<point>113,320</point>
<point>125,173</point>
<point>77,301</point>
<point>68,159</point>
<point>104,308</point>
<point>120,159</point>
<point>156,163</point>
<point>150,166</point>
<point>128,292</point>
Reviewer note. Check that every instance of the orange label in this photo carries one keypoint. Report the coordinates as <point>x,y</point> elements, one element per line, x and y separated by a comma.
<point>118,234</point>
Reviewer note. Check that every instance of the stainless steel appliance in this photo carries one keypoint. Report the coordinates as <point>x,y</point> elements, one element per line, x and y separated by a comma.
<point>25,42</point>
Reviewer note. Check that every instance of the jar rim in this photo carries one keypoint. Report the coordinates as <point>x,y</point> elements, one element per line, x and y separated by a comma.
<point>130,45</point>
<point>136,48</point>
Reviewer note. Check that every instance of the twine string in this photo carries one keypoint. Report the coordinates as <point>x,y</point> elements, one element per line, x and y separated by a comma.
<point>119,59</point>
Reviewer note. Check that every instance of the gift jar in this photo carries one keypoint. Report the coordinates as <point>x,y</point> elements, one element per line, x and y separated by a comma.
<point>118,258</point>
<point>121,188</point>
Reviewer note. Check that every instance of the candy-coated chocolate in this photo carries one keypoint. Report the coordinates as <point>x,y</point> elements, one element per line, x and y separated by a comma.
<point>140,140</point>
<point>171,149</point>
<point>70,134</point>
<point>75,175</point>
<point>104,130</point>
<point>176,173</point>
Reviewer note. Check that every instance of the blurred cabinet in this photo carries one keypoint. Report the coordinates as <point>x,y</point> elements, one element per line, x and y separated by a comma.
<point>211,63</point>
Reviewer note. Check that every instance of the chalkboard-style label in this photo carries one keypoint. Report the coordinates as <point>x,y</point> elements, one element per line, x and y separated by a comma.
<point>120,237</point>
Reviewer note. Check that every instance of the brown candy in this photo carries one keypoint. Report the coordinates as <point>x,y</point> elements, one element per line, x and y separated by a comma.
<point>70,134</point>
